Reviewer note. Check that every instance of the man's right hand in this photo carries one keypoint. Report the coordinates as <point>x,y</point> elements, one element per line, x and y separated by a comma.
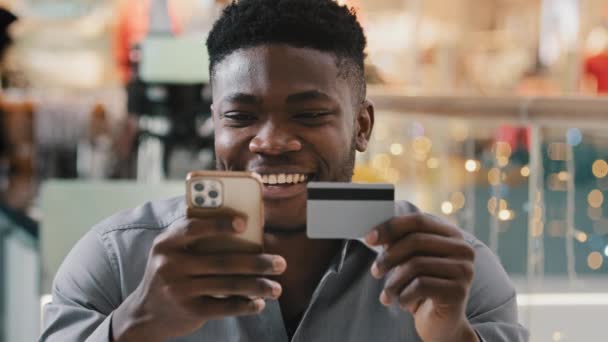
<point>179,291</point>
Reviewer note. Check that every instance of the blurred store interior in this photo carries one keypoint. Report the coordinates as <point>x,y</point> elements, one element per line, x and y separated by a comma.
<point>489,113</point>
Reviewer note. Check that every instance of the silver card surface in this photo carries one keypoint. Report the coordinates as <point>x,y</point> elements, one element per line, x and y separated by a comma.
<point>347,210</point>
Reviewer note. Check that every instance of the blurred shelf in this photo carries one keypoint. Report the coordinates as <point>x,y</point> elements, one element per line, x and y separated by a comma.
<point>565,111</point>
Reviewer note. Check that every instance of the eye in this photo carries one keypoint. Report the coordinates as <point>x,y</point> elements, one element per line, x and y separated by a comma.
<point>239,118</point>
<point>312,116</point>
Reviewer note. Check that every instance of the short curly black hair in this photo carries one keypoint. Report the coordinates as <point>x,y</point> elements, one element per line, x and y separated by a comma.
<point>322,25</point>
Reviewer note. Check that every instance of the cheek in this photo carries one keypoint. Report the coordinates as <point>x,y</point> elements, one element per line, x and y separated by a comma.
<point>332,144</point>
<point>228,144</point>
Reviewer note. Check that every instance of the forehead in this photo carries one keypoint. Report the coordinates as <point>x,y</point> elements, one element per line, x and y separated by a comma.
<point>277,69</point>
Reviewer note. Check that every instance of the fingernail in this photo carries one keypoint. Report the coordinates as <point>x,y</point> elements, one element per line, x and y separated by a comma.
<point>372,237</point>
<point>384,299</point>
<point>375,271</point>
<point>278,264</point>
<point>260,304</point>
<point>239,225</point>
<point>276,290</point>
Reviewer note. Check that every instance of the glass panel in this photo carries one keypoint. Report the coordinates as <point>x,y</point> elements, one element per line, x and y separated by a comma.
<point>528,178</point>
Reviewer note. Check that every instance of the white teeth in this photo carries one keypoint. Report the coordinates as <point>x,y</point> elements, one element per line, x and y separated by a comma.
<point>272,179</point>
<point>282,178</point>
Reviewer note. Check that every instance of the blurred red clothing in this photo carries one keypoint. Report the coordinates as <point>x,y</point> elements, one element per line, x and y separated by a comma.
<point>597,66</point>
<point>133,26</point>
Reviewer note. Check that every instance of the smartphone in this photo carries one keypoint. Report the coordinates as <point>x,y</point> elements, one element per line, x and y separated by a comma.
<point>227,194</point>
<point>347,210</point>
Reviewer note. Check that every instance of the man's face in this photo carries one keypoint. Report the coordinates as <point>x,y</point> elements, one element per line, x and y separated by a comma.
<point>286,114</point>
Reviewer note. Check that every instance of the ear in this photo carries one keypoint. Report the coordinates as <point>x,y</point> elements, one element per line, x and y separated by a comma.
<point>212,113</point>
<point>364,125</point>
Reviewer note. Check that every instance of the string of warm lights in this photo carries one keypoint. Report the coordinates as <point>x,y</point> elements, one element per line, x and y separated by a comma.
<point>406,159</point>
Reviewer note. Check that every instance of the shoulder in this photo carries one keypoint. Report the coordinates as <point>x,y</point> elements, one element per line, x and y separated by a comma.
<point>154,215</point>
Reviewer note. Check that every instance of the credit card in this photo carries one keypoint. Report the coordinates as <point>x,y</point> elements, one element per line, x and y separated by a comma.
<point>347,210</point>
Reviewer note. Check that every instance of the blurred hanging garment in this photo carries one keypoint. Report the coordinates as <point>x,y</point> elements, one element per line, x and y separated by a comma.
<point>134,24</point>
<point>597,66</point>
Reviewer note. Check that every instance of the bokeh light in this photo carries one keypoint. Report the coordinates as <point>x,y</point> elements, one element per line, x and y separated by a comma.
<point>563,176</point>
<point>472,165</point>
<point>396,149</point>
<point>595,198</point>
<point>574,136</point>
<point>494,176</point>
<point>538,228</point>
<point>502,161</point>
<point>458,200</point>
<point>503,149</point>
<point>506,215</point>
<point>600,168</point>
<point>581,237</point>
<point>432,163</point>
<point>422,145</point>
<point>557,336</point>
<point>595,260</point>
<point>492,204</point>
<point>447,208</point>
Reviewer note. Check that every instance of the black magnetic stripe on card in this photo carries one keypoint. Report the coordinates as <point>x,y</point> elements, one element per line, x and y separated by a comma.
<point>351,194</point>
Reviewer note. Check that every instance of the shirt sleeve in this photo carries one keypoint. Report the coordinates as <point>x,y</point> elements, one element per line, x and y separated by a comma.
<point>85,293</point>
<point>492,309</point>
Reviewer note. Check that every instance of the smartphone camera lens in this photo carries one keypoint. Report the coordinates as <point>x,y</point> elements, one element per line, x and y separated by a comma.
<point>200,200</point>
<point>199,187</point>
<point>213,194</point>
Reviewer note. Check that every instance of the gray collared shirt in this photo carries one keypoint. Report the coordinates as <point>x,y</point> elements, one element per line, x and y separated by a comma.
<point>108,263</point>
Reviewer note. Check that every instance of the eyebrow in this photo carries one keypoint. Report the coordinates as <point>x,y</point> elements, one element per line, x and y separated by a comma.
<point>249,99</point>
<point>308,96</point>
<point>243,98</point>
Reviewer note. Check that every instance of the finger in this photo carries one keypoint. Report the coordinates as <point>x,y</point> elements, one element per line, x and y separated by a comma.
<point>225,264</point>
<point>185,231</point>
<point>214,308</point>
<point>228,286</point>
<point>433,267</point>
<point>421,244</point>
<point>443,292</point>
<point>398,227</point>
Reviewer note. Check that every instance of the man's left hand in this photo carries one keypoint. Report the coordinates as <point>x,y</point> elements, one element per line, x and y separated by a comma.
<point>429,269</point>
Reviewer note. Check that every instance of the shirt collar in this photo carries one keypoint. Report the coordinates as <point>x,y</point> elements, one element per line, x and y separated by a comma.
<point>346,249</point>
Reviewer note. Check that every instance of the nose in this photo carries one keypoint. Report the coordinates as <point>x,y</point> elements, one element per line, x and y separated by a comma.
<point>272,139</point>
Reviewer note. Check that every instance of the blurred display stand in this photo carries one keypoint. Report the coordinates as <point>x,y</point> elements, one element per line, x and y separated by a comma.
<point>19,276</point>
<point>62,226</point>
<point>171,100</point>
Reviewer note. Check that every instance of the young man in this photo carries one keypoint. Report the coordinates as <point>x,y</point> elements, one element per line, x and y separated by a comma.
<point>289,99</point>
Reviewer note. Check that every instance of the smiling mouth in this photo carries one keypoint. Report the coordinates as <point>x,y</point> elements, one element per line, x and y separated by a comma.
<point>283,178</point>
<point>281,186</point>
